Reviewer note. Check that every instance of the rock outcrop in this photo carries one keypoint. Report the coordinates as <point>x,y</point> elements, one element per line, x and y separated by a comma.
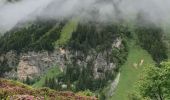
<point>9,59</point>
<point>34,64</point>
<point>26,70</point>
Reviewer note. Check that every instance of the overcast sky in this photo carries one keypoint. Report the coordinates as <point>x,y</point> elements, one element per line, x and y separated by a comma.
<point>157,11</point>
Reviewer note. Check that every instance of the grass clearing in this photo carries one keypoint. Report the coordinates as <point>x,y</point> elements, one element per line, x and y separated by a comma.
<point>66,32</point>
<point>52,72</point>
<point>131,71</point>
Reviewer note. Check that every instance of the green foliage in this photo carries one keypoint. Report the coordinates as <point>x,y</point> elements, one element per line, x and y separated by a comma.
<point>86,80</point>
<point>136,96</point>
<point>37,36</point>
<point>86,93</point>
<point>119,56</point>
<point>52,83</point>
<point>129,73</point>
<point>91,36</point>
<point>84,38</point>
<point>66,32</point>
<point>155,82</point>
<point>46,42</point>
<point>29,81</point>
<point>4,67</point>
<point>3,94</point>
<point>150,38</point>
<point>96,37</point>
<point>102,96</point>
<point>51,73</point>
<point>34,37</point>
<point>72,73</point>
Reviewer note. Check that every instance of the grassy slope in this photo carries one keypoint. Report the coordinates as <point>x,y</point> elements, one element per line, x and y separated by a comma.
<point>130,74</point>
<point>67,32</point>
<point>52,72</point>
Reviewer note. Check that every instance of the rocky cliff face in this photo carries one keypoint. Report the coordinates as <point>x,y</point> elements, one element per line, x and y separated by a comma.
<point>34,64</point>
<point>10,59</point>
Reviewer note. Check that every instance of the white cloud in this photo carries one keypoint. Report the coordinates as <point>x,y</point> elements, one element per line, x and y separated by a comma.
<point>13,13</point>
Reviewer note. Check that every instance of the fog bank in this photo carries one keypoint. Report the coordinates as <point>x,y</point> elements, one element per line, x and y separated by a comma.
<point>11,13</point>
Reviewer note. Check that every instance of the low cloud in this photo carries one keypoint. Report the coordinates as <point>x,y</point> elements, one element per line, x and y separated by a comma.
<point>156,11</point>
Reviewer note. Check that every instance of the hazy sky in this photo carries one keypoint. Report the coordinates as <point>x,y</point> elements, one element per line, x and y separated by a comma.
<point>157,11</point>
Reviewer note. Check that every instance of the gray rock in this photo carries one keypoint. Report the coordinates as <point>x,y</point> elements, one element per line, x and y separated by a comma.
<point>35,64</point>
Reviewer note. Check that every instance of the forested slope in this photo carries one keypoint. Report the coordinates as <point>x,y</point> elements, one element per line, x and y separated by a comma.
<point>83,56</point>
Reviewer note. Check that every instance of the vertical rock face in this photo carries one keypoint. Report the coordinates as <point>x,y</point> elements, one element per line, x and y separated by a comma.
<point>101,65</point>
<point>12,58</point>
<point>34,64</point>
<point>9,59</point>
<point>117,43</point>
<point>27,70</point>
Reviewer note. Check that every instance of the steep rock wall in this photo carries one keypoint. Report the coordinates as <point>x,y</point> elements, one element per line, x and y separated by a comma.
<point>35,64</point>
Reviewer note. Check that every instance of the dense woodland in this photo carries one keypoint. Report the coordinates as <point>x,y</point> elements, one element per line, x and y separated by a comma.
<point>154,83</point>
<point>4,67</point>
<point>151,38</point>
<point>36,37</point>
<point>91,36</point>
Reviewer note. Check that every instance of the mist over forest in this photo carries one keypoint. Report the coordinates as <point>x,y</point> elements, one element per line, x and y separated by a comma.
<point>17,11</point>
